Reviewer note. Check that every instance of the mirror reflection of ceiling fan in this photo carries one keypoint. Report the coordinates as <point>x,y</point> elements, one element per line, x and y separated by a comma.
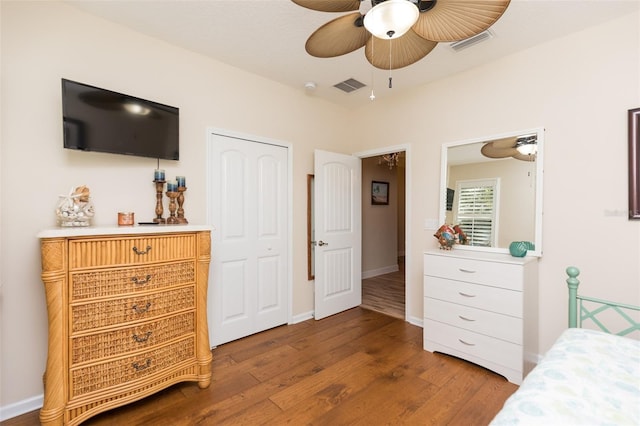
<point>522,148</point>
<point>404,31</point>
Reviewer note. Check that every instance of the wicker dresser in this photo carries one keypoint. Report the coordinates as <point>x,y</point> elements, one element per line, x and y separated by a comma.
<point>127,315</point>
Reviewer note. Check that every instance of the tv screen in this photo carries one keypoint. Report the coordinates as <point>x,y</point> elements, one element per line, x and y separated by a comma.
<point>100,120</point>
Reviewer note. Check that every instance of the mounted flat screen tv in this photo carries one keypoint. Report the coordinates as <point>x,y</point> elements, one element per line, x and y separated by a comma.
<point>100,120</point>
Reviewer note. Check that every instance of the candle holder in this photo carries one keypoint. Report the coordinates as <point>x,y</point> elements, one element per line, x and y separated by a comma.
<point>159,209</point>
<point>172,219</point>
<point>181,218</point>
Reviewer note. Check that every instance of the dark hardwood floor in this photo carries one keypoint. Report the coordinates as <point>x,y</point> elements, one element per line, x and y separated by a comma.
<point>357,367</point>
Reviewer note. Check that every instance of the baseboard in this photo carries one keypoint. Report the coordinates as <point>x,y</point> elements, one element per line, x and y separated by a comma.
<point>531,360</point>
<point>21,407</point>
<point>380,271</point>
<point>416,321</point>
<point>301,317</point>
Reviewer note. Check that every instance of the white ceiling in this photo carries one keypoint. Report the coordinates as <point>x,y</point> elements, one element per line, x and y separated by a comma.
<point>267,37</point>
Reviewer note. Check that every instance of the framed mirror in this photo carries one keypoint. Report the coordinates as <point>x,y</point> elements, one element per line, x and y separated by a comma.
<point>492,188</point>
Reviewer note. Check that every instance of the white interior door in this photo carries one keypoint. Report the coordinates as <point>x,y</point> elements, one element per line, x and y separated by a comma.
<point>249,267</point>
<point>337,219</point>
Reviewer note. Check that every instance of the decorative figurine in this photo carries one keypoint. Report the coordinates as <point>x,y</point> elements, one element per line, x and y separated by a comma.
<point>461,236</point>
<point>446,237</point>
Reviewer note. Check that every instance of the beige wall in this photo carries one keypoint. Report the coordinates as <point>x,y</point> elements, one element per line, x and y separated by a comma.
<point>579,88</point>
<point>379,222</point>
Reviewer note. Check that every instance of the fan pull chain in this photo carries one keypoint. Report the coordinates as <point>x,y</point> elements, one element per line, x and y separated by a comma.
<point>372,96</point>
<point>390,46</point>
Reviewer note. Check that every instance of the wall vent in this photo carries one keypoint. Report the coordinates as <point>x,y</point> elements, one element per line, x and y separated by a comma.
<point>349,85</point>
<point>468,42</point>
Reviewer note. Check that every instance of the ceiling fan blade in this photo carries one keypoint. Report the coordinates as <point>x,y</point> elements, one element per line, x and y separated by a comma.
<point>509,142</point>
<point>525,157</point>
<point>453,20</point>
<point>496,151</point>
<point>405,50</point>
<point>337,37</point>
<point>329,5</point>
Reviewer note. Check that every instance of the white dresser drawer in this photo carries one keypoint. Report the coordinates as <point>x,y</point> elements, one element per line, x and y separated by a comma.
<point>477,345</point>
<point>497,274</point>
<point>502,327</point>
<point>507,302</point>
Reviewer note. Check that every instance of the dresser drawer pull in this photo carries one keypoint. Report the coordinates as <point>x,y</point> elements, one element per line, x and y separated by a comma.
<point>143,338</point>
<point>141,281</point>
<point>138,310</point>
<point>465,318</point>
<point>137,251</point>
<point>466,271</point>
<point>140,367</point>
<point>466,294</point>
<point>466,343</point>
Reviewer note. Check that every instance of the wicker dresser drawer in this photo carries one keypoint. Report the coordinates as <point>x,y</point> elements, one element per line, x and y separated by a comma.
<point>92,253</point>
<point>98,346</point>
<point>98,377</point>
<point>492,299</point>
<point>106,313</point>
<point>114,282</point>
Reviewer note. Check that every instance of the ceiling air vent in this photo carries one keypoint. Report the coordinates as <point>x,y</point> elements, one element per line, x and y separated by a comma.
<point>349,85</point>
<point>463,44</point>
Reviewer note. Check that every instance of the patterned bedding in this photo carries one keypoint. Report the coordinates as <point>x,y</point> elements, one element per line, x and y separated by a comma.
<point>587,378</point>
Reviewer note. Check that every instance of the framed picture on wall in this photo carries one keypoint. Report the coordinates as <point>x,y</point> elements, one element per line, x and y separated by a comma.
<point>379,193</point>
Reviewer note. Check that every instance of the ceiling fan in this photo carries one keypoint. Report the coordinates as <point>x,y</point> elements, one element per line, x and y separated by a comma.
<point>519,147</point>
<point>412,28</point>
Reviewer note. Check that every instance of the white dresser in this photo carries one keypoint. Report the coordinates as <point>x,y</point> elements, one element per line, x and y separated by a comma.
<point>482,307</point>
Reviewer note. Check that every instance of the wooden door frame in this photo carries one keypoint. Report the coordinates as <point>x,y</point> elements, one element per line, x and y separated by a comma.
<point>409,290</point>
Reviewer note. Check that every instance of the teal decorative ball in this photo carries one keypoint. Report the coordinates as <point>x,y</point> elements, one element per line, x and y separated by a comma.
<point>518,248</point>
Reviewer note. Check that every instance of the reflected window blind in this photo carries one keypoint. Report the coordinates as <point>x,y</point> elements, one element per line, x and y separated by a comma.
<point>475,212</point>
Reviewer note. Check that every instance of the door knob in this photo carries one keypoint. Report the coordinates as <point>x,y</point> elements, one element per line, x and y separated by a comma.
<point>322,243</point>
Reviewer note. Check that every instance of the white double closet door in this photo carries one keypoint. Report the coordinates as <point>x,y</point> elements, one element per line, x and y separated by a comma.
<point>248,206</point>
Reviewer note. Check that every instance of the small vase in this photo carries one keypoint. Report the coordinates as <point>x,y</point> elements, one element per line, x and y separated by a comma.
<point>518,248</point>
<point>72,212</point>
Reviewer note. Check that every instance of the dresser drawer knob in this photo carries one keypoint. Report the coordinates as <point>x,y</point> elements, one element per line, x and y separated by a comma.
<point>141,281</point>
<point>139,252</point>
<point>466,343</point>
<point>143,338</point>
<point>465,318</point>
<point>139,367</point>
<point>139,310</point>
<point>466,294</point>
<point>466,271</point>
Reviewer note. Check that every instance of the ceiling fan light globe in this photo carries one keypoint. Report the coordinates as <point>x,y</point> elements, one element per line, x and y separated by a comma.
<point>391,19</point>
<point>527,147</point>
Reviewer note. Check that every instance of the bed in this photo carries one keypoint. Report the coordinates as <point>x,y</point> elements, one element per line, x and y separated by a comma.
<point>588,377</point>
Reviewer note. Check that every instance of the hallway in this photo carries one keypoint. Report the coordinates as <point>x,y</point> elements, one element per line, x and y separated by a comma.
<point>386,293</point>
